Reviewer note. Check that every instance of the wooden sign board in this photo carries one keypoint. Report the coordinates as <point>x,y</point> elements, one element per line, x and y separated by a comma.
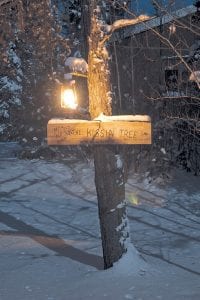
<point>111,131</point>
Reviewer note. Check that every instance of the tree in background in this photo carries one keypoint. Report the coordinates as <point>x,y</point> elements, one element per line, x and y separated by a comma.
<point>11,72</point>
<point>160,62</point>
<point>32,51</point>
<point>179,94</point>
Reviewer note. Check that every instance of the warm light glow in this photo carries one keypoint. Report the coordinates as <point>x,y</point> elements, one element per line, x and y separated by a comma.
<point>133,199</point>
<point>68,99</point>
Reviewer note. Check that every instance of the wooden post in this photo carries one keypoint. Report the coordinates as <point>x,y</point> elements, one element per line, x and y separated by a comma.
<point>109,172</point>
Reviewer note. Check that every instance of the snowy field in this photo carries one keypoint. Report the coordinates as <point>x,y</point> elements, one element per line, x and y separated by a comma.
<point>50,246</point>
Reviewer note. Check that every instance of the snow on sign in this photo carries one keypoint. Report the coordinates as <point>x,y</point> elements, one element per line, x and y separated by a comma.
<point>106,130</point>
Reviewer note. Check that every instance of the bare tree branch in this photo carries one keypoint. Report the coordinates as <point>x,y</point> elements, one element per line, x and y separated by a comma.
<point>2,2</point>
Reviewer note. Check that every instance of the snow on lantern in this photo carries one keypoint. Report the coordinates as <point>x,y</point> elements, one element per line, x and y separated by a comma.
<point>77,67</point>
<point>68,96</point>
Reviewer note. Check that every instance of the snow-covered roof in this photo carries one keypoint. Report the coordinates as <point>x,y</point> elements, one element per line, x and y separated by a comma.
<point>155,22</point>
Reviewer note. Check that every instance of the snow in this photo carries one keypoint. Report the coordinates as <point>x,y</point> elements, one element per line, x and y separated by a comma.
<point>4,110</point>
<point>163,151</point>
<point>172,28</point>
<point>68,76</point>
<point>139,118</point>
<point>13,56</point>
<point>76,64</point>
<point>175,94</point>
<point>50,247</point>
<point>9,84</point>
<point>15,100</point>
<point>124,231</point>
<point>98,60</point>
<point>130,263</point>
<point>103,118</point>
<point>121,205</point>
<point>127,22</point>
<point>2,127</point>
<point>119,161</point>
<point>195,76</point>
<point>64,121</point>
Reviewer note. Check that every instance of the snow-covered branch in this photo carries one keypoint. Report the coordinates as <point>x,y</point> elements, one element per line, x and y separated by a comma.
<point>127,22</point>
<point>109,29</point>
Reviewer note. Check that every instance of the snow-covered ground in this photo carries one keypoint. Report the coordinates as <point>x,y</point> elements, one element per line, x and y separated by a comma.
<point>50,246</point>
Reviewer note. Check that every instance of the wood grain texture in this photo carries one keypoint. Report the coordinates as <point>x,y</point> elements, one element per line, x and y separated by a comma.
<point>76,132</point>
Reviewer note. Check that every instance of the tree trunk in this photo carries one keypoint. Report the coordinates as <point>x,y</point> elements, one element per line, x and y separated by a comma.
<point>109,180</point>
<point>109,172</point>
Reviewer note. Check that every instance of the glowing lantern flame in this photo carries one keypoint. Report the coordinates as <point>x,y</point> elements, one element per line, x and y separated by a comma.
<point>68,99</point>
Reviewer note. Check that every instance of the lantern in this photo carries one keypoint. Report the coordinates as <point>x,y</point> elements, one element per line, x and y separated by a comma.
<point>68,97</point>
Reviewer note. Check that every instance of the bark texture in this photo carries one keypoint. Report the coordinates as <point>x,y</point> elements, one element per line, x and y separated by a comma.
<point>98,71</point>
<point>110,189</point>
